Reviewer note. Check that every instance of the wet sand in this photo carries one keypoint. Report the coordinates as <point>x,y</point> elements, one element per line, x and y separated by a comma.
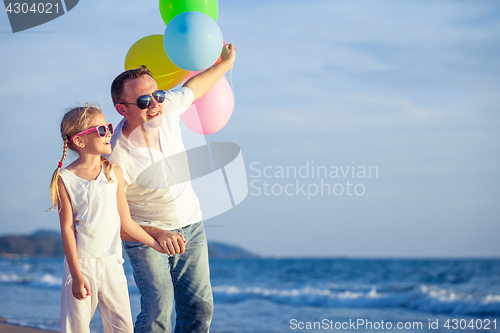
<point>8,328</point>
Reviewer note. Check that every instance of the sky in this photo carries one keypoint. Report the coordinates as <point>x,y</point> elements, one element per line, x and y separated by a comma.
<point>408,90</point>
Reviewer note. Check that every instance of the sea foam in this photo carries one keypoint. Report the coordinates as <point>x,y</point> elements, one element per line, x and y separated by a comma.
<point>421,298</point>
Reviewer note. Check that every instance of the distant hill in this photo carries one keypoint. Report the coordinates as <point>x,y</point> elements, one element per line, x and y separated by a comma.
<point>218,250</point>
<point>49,243</point>
<point>42,242</point>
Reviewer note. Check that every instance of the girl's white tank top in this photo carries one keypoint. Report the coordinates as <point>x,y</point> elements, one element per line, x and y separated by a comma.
<point>95,214</point>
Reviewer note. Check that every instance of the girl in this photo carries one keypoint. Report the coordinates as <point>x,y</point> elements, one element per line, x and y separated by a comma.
<point>91,199</point>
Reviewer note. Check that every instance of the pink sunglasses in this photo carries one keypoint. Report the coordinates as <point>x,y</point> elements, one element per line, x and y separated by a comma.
<point>102,131</point>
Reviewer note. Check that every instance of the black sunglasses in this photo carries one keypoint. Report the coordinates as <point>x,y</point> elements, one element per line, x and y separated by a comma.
<point>144,101</point>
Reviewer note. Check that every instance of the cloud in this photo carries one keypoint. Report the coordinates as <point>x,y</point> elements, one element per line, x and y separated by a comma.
<point>396,103</point>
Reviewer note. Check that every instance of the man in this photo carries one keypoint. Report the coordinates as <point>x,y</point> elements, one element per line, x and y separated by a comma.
<point>147,144</point>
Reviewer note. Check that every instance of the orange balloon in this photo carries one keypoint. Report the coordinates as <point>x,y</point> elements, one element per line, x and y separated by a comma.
<point>220,57</point>
<point>149,51</point>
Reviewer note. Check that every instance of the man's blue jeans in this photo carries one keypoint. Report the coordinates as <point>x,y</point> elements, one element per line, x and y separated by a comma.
<point>161,278</point>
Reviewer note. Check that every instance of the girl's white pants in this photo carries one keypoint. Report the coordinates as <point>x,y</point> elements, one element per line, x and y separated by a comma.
<point>109,292</point>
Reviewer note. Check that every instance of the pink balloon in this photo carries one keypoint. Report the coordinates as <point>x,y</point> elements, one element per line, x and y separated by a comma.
<point>191,74</point>
<point>211,112</point>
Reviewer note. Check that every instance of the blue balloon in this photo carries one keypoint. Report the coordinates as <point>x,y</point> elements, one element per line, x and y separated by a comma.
<point>193,41</point>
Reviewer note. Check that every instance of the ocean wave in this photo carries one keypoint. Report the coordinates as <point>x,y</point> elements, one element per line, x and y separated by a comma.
<point>43,281</point>
<point>41,324</point>
<point>421,298</point>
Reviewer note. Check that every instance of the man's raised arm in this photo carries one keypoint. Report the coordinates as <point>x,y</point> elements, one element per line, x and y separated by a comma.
<point>202,82</point>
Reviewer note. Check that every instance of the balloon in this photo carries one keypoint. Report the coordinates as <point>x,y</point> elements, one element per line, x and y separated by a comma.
<point>149,51</point>
<point>220,57</point>
<point>211,112</point>
<point>171,8</point>
<point>193,41</point>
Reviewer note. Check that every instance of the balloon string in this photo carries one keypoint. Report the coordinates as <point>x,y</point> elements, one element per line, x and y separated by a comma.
<point>230,78</point>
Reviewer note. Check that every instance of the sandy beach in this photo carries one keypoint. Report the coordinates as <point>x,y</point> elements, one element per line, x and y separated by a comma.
<point>8,328</point>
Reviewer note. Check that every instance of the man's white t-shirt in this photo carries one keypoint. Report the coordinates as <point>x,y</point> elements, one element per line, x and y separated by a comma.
<point>157,183</point>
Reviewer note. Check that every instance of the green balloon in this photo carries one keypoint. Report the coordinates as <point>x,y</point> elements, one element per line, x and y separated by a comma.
<point>171,8</point>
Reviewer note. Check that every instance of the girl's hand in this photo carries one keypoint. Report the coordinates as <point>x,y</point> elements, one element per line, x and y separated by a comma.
<point>185,241</point>
<point>158,247</point>
<point>170,242</point>
<point>80,288</point>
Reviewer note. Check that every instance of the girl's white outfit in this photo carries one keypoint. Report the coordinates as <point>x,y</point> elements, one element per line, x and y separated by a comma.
<point>98,244</point>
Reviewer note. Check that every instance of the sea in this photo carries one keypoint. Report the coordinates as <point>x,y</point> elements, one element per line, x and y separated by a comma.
<point>289,295</point>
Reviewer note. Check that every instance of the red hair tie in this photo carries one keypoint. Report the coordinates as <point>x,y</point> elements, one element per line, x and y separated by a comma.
<point>60,164</point>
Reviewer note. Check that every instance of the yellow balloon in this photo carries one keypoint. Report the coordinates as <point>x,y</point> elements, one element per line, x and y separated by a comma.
<point>150,51</point>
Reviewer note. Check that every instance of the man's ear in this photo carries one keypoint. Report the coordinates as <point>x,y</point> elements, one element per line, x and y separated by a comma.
<point>121,110</point>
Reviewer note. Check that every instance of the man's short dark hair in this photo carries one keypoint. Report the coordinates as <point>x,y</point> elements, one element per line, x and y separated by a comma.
<point>119,82</point>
